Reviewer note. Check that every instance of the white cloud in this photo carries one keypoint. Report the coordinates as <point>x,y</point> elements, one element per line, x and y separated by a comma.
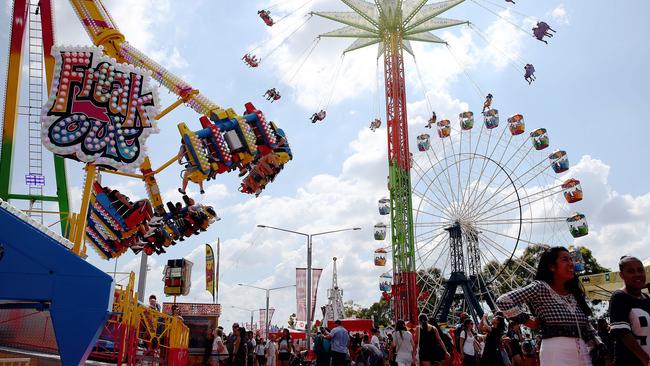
<point>618,222</point>
<point>559,15</point>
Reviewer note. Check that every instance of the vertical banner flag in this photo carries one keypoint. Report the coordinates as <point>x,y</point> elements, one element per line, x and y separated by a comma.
<point>264,322</point>
<point>216,279</point>
<point>209,270</point>
<point>315,277</point>
<point>301,294</point>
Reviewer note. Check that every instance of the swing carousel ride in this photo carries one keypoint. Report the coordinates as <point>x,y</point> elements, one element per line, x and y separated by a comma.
<point>464,208</point>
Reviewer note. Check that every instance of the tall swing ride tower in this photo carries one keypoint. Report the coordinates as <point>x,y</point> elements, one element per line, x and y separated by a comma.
<point>393,24</point>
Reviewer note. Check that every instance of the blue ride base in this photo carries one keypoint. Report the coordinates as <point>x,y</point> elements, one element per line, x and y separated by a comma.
<point>38,271</point>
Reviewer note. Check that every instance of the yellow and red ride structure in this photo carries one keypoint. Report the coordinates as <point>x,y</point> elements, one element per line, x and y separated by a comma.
<point>87,84</point>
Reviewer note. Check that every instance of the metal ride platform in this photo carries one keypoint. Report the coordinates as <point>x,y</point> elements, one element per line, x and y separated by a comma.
<point>51,300</point>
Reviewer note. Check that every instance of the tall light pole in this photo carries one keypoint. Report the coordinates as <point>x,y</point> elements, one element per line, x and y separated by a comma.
<point>251,310</point>
<point>268,293</point>
<point>309,242</point>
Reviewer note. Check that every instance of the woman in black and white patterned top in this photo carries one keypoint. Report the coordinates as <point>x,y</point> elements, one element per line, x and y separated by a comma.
<point>557,301</point>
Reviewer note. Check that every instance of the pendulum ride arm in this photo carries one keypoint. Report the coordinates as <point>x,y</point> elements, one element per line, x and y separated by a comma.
<point>19,24</point>
<point>405,304</point>
<point>103,32</point>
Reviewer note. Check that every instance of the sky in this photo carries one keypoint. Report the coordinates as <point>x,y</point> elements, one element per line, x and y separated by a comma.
<point>590,94</point>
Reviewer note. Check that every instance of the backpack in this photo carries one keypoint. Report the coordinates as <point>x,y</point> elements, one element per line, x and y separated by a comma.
<point>318,345</point>
<point>327,345</point>
<point>459,329</point>
<point>447,341</point>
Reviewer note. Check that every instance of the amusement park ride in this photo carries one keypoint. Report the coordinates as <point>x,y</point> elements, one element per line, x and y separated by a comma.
<point>393,25</point>
<point>101,109</point>
<point>454,233</point>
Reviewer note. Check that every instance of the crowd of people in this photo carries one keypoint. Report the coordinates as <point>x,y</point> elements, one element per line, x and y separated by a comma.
<point>546,323</point>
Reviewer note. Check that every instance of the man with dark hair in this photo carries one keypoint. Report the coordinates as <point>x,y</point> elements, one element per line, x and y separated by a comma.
<point>339,344</point>
<point>629,310</point>
<point>230,340</point>
<point>153,303</point>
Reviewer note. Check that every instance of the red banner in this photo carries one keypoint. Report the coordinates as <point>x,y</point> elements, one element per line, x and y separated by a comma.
<point>315,277</point>
<point>301,292</point>
<point>263,320</point>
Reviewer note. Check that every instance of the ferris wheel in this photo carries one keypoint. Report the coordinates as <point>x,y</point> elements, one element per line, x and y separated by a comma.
<point>483,192</point>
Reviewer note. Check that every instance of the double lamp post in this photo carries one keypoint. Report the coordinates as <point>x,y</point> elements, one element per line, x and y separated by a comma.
<point>268,291</point>
<point>309,289</point>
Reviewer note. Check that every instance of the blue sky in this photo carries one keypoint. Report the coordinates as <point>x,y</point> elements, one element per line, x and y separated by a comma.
<point>590,93</point>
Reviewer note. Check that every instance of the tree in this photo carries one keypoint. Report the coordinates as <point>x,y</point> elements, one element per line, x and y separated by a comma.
<point>379,311</point>
<point>591,264</point>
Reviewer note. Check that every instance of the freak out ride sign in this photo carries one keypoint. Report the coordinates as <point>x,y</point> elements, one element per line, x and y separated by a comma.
<point>99,111</point>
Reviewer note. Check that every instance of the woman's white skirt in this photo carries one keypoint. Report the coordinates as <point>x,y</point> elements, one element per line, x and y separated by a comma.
<point>564,351</point>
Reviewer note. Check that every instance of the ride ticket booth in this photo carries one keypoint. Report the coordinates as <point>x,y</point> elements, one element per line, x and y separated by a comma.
<point>199,318</point>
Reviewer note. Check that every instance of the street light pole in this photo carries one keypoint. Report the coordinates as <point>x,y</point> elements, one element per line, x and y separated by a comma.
<point>309,289</point>
<point>251,310</point>
<point>268,293</point>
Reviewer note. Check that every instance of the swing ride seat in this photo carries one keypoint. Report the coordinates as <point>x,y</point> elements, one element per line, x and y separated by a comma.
<point>109,230</point>
<point>265,136</point>
<point>39,273</point>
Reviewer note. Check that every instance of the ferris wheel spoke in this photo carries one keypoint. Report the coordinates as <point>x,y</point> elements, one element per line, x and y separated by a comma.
<point>422,238</point>
<point>501,167</point>
<point>504,275</point>
<point>452,207</point>
<point>471,165</point>
<point>534,220</point>
<point>459,199</point>
<point>484,163</point>
<point>470,204</point>
<point>442,172</point>
<point>436,224</point>
<point>518,260</point>
<point>419,211</point>
<point>447,168</point>
<point>511,180</point>
<point>517,179</point>
<point>434,205</point>
<point>510,236</point>
<point>431,182</point>
<point>424,257</point>
<point>545,194</point>
<point>527,203</point>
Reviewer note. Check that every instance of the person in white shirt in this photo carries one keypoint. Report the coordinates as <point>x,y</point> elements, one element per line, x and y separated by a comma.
<point>403,345</point>
<point>467,338</point>
<point>375,338</point>
<point>271,352</point>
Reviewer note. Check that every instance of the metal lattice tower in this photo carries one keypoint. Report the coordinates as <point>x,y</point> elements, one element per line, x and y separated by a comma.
<point>393,24</point>
<point>473,252</point>
<point>31,19</point>
<point>334,307</point>
<point>33,108</point>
